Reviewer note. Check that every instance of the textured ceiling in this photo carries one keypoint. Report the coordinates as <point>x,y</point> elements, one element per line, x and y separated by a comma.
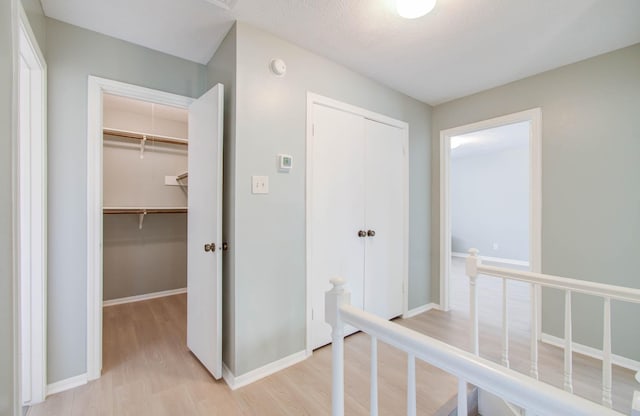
<point>460,48</point>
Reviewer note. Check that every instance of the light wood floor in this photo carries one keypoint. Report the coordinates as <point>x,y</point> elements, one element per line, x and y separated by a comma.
<point>149,371</point>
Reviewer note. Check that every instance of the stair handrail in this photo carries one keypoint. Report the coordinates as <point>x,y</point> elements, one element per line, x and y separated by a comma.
<point>534,396</point>
<point>607,292</point>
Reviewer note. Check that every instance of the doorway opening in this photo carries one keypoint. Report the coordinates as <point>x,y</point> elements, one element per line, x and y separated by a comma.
<point>32,214</point>
<point>489,210</point>
<point>144,227</point>
<point>138,168</point>
<point>489,191</point>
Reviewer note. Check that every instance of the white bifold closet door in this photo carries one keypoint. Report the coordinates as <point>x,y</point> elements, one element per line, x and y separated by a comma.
<point>384,215</point>
<point>204,267</point>
<point>337,210</point>
<point>357,170</point>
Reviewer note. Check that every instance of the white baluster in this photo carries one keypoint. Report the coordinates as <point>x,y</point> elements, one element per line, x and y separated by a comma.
<point>505,325</point>
<point>635,405</point>
<point>142,143</point>
<point>334,299</point>
<point>462,397</point>
<point>472,271</point>
<point>411,385</point>
<point>606,355</point>
<point>568,347</point>
<point>374,376</point>
<point>534,331</point>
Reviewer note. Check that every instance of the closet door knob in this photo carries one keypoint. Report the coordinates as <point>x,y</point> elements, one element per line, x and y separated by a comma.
<point>210,247</point>
<point>371,233</point>
<point>362,233</point>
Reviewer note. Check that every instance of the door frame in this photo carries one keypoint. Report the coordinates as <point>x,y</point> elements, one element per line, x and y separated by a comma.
<point>31,285</point>
<point>96,88</point>
<point>313,98</point>
<point>534,116</point>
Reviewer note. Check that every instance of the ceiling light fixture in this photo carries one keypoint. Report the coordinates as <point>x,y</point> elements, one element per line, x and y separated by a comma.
<point>412,9</point>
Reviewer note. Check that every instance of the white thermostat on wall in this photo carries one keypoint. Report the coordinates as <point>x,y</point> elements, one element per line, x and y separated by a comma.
<point>285,162</point>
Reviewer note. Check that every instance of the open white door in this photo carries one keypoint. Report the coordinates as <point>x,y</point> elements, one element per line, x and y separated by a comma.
<point>204,256</point>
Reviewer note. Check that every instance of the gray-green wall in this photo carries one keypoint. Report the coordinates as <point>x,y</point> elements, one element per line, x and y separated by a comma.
<point>6,227</point>
<point>590,182</point>
<point>37,21</point>
<point>72,55</point>
<point>269,249</point>
<point>264,276</point>
<point>222,69</point>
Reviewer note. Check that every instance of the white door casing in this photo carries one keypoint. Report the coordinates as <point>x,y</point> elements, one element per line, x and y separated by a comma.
<point>32,213</point>
<point>204,268</point>
<point>96,88</point>
<point>534,117</point>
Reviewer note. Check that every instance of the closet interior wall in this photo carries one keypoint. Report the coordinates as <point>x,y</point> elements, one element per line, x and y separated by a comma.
<point>150,256</point>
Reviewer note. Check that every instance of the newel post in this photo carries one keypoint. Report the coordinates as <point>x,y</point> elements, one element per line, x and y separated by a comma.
<point>333,300</point>
<point>473,261</point>
<point>635,405</point>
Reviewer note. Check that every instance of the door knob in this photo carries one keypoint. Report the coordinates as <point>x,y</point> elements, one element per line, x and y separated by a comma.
<point>362,233</point>
<point>371,233</point>
<point>210,247</point>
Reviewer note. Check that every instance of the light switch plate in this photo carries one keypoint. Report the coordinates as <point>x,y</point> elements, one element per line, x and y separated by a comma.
<point>259,184</point>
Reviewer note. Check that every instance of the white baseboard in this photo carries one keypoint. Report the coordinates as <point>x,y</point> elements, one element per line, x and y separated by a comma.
<point>262,372</point>
<point>146,296</point>
<point>420,309</point>
<point>591,352</point>
<point>523,263</point>
<point>67,384</point>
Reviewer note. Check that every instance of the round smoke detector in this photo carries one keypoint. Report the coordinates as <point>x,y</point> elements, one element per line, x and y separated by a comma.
<point>278,67</point>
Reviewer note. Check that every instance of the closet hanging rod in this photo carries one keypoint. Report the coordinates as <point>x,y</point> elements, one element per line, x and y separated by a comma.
<point>141,136</point>
<point>144,210</point>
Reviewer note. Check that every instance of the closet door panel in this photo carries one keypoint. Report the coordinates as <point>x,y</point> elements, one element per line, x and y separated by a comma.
<point>204,266</point>
<point>336,210</point>
<point>384,215</point>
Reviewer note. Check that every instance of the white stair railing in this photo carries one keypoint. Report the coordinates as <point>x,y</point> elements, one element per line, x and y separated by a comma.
<point>535,397</point>
<point>474,268</point>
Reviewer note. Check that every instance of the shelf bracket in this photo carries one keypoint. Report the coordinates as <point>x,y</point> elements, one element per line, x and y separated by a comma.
<point>142,143</point>
<point>141,219</point>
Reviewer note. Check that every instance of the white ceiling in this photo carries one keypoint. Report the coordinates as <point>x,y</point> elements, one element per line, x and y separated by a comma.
<point>510,136</point>
<point>460,48</point>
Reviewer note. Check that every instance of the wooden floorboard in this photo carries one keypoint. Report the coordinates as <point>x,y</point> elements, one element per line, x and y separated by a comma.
<point>148,370</point>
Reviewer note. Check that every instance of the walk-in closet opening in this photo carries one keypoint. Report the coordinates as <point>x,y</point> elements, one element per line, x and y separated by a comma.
<point>154,231</point>
<point>145,199</point>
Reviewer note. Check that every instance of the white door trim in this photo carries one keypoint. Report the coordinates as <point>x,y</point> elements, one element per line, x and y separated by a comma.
<point>312,99</point>
<point>535,190</point>
<point>31,216</point>
<point>96,88</point>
